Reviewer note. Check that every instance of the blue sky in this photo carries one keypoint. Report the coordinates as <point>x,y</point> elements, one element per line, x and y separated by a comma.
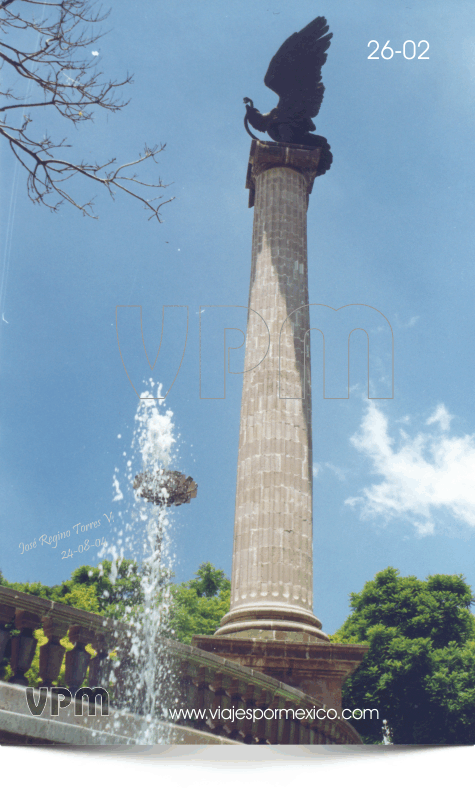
<point>390,226</point>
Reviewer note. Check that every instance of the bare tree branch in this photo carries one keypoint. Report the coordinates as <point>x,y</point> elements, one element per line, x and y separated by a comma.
<point>59,75</point>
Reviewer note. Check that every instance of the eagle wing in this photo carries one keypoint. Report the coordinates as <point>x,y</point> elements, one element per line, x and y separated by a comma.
<point>295,71</point>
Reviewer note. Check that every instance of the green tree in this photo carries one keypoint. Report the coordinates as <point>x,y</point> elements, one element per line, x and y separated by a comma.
<point>420,669</point>
<point>199,605</point>
<point>110,589</point>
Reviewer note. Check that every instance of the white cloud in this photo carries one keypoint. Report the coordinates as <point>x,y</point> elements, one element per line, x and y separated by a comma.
<point>441,416</point>
<point>424,476</point>
<point>424,528</point>
<point>405,325</point>
<point>339,473</point>
<point>316,469</point>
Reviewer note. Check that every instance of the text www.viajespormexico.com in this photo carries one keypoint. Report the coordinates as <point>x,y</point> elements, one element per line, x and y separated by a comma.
<point>269,714</point>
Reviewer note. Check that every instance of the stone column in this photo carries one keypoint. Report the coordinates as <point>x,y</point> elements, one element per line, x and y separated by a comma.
<point>271,595</point>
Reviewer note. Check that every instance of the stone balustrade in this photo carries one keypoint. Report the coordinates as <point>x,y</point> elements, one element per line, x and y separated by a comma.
<point>197,679</point>
<point>213,683</point>
<point>27,613</point>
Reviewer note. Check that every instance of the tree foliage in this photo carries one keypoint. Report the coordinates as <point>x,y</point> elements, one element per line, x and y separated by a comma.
<point>48,64</point>
<point>199,605</point>
<point>420,669</point>
<point>108,589</point>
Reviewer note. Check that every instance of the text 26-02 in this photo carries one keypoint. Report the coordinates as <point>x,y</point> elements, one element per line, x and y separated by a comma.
<point>409,50</point>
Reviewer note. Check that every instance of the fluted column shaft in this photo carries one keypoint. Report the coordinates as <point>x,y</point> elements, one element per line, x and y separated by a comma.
<point>272,557</point>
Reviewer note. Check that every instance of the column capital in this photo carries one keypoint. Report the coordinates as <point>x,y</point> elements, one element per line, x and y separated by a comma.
<point>266,154</point>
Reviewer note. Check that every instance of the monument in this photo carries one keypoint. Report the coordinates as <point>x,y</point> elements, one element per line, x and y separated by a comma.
<point>271,626</point>
<point>269,653</point>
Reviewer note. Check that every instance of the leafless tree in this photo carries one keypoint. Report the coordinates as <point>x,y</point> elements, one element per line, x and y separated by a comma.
<point>48,63</point>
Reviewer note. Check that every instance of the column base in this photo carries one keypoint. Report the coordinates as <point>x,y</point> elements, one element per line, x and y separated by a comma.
<point>272,622</point>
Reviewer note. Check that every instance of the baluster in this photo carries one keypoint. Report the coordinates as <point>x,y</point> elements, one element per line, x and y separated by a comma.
<point>52,653</point>
<point>232,700</point>
<point>77,660</point>
<point>166,677</point>
<point>23,645</point>
<point>201,688</point>
<point>246,727</point>
<point>272,730</point>
<point>123,672</point>
<point>260,726</point>
<point>286,728</point>
<point>186,689</point>
<point>100,665</point>
<point>217,690</point>
<point>7,614</point>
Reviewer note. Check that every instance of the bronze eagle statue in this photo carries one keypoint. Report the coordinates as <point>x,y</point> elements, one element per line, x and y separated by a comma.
<point>294,74</point>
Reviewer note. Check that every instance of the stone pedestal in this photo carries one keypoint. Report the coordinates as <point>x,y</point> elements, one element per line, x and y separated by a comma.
<point>317,668</point>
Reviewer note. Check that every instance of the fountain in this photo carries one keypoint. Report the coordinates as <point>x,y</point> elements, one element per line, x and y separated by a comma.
<point>150,674</point>
<point>144,678</point>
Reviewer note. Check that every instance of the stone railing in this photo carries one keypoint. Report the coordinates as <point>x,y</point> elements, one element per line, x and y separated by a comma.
<point>28,613</point>
<point>221,686</point>
<point>197,678</point>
